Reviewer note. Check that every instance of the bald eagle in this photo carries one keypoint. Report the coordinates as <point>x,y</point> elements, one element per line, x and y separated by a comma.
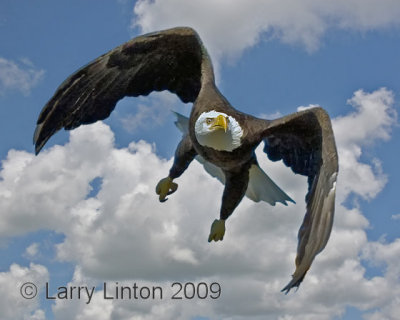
<point>218,135</point>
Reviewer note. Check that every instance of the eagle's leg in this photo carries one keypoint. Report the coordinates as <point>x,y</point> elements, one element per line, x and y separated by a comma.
<point>184,154</point>
<point>235,188</point>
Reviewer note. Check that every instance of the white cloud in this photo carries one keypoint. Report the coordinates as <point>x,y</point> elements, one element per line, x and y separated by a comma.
<point>387,254</point>
<point>229,27</point>
<point>374,112</point>
<point>301,108</point>
<point>370,123</point>
<point>32,250</point>
<point>152,112</point>
<point>12,304</point>
<point>78,308</point>
<point>270,116</point>
<point>124,234</point>
<point>22,76</point>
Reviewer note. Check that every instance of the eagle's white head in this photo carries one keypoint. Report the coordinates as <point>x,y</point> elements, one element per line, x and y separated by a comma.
<point>217,130</point>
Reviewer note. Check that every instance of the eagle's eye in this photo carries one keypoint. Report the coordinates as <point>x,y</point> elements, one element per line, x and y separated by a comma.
<point>209,120</point>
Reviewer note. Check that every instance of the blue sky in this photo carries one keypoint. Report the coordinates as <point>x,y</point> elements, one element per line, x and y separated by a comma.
<point>84,211</point>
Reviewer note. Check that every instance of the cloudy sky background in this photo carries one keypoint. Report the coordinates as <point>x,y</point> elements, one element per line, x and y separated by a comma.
<point>84,211</point>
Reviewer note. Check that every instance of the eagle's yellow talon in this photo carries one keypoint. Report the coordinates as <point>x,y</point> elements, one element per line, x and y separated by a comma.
<point>217,230</point>
<point>165,187</point>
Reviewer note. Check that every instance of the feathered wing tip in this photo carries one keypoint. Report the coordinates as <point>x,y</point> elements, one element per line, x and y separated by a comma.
<point>322,232</point>
<point>36,138</point>
<point>294,283</point>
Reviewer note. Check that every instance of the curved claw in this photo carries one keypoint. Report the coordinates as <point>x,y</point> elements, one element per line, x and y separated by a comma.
<point>165,187</point>
<point>217,230</point>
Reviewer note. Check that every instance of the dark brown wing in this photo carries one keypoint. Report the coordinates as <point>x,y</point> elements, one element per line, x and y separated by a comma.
<point>173,60</point>
<point>305,142</point>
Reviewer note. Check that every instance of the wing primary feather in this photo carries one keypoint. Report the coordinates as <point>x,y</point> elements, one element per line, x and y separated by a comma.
<point>305,142</point>
<point>173,59</point>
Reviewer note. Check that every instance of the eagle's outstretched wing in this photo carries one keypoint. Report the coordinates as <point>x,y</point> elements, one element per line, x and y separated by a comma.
<point>173,60</point>
<point>305,142</point>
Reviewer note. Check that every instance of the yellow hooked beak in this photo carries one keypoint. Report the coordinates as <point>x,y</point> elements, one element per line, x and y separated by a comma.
<point>220,122</point>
